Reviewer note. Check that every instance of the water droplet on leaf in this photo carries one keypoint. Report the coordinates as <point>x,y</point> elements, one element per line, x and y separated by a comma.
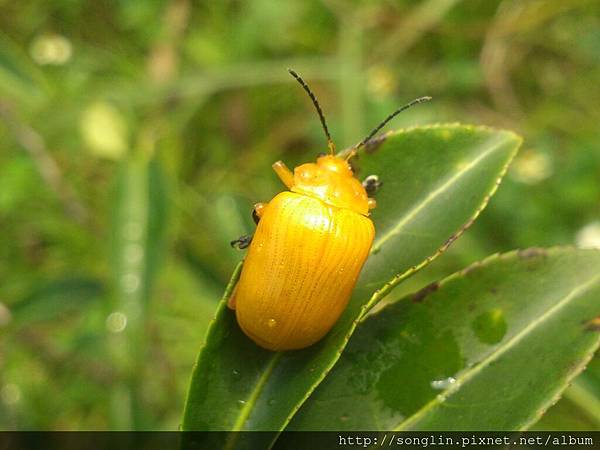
<point>444,383</point>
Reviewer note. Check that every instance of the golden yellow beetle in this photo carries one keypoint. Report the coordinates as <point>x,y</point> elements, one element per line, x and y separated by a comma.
<point>308,249</point>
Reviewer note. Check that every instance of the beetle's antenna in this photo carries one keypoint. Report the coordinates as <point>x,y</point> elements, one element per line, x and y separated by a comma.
<point>330,144</point>
<point>385,121</point>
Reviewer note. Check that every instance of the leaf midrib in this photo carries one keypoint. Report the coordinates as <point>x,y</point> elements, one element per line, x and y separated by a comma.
<point>406,217</point>
<point>251,401</point>
<point>434,194</point>
<point>495,145</point>
<point>470,373</point>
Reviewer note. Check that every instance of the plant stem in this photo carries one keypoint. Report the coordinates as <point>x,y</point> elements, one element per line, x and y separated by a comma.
<point>126,322</point>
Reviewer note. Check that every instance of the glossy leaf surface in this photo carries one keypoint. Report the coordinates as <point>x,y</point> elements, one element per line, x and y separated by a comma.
<point>489,348</point>
<point>436,181</point>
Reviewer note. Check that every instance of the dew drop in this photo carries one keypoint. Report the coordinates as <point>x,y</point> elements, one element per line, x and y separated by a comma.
<point>271,323</point>
<point>130,282</point>
<point>236,373</point>
<point>133,253</point>
<point>116,322</point>
<point>271,402</point>
<point>241,402</point>
<point>344,418</point>
<point>443,383</point>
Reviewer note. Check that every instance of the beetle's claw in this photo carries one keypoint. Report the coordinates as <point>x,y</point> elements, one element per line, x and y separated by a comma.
<point>255,217</point>
<point>258,211</point>
<point>242,242</point>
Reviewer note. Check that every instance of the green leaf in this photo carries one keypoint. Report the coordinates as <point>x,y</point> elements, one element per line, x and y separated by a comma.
<point>579,407</point>
<point>436,181</point>
<point>19,77</point>
<point>139,223</point>
<point>55,299</point>
<point>489,348</point>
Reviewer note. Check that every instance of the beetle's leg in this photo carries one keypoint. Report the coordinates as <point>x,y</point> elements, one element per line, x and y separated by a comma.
<point>258,211</point>
<point>284,174</point>
<point>372,184</point>
<point>242,242</point>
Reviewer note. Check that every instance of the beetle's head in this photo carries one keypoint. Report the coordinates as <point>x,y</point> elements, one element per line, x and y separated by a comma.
<point>335,164</point>
<point>331,180</point>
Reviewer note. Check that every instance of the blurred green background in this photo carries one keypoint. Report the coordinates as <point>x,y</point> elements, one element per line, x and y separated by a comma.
<point>136,135</point>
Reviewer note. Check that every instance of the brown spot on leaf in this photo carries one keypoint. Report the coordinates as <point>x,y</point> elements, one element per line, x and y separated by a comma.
<point>373,145</point>
<point>467,270</point>
<point>532,252</point>
<point>593,325</point>
<point>419,296</point>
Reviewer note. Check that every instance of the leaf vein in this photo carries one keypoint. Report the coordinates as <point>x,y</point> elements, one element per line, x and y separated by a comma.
<point>469,374</point>
<point>433,195</point>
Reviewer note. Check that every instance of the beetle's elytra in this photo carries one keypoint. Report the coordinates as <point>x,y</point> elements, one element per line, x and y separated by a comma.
<point>308,249</point>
